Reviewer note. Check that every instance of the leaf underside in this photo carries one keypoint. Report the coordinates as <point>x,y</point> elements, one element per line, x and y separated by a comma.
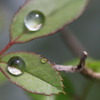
<point>69,89</point>
<point>57,14</point>
<point>38,78</point>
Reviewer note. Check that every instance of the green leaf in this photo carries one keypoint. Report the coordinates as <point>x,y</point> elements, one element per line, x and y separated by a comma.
<point>68,89</point>
<point>93,64</point>
<point>38,77</point>
<point>57,14</point>
<point>2,78</point>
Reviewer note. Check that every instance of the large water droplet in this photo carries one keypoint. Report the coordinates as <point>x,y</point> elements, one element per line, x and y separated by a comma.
<point>43,60</point>
<point>14,71</point>
<point>34,20</point>
<point>16,65</point>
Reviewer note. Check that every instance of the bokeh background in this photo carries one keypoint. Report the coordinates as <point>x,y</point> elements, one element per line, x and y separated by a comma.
<point>87,31</point>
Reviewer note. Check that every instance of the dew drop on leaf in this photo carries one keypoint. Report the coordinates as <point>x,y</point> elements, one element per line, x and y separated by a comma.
<point>14,71</point>
<point>43,60</point>
<point>34,20</point>
<point>16,65</point>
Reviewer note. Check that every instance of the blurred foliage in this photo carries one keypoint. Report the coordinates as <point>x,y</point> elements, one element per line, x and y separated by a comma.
<point>94,65</point>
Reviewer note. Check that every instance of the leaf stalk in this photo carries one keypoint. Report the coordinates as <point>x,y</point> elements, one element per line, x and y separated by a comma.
<point>7,47</point>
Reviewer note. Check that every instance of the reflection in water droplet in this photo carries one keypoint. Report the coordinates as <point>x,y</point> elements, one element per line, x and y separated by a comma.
<point>43,60</point>
<point>34,20</point>
<point>14,71</point>
<point>16,65</point>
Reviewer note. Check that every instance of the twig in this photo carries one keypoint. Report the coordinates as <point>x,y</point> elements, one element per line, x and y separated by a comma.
<point>79,68</point>
<point>76,47</point>
<point>71,41</point>
<point>82,60</point>
<point>90,73</point>
<point>71,68</point>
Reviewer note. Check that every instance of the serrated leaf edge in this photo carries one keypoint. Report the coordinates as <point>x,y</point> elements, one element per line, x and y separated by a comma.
<point>58,73</point>
<point>82,11</point>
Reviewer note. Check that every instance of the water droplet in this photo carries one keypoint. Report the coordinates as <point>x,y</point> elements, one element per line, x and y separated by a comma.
<point>16,65</point>
<point>14,71</point>
<point>34,20</point>
<point>43,60</point>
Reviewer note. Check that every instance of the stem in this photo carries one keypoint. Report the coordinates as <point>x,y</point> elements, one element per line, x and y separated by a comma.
<point>7,47</point>
<point>71,68</point>
<point>90,73</point>
<point>71,41</point>
<point>82,60</point>
<point>79,68</point>
<point>65,68</point>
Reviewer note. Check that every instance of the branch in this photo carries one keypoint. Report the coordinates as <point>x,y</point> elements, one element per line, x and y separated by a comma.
<point>79,68</point>
<point>71,68</point>
<point>90,73</point>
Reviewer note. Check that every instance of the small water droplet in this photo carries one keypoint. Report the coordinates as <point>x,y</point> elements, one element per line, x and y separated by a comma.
<point>16,65</point>
<point>43,60</point>
<point>34,20</point>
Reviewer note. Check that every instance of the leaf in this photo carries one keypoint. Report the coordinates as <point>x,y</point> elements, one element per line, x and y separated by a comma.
<point>2,79</point>
<point>68,89</point>
<point>38,77</point>
<point>57,14</point>
<point>93,64</point>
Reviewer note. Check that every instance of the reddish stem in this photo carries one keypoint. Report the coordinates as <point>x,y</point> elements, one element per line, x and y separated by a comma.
<point>7,47</point>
